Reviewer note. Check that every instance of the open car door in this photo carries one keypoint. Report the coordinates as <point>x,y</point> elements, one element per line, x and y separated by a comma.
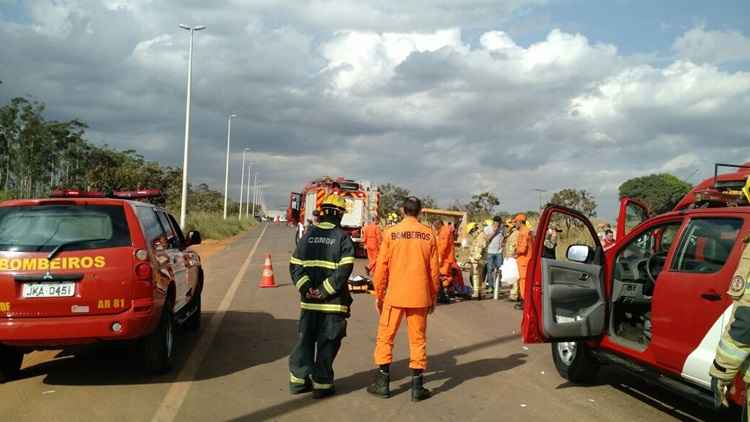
<point>564,297</point>
<point>632,213</point>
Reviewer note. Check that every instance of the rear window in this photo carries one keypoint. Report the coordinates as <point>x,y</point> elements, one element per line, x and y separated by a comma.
<point>44,227</point>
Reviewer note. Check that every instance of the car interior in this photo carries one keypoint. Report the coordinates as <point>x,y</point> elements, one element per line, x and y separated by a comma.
<point>637,267</point>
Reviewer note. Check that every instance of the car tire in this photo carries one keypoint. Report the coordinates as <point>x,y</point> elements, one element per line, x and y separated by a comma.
<point>10,363</point>
<point>158,348</point>
<point>193,323</point>
<point>574,362</point>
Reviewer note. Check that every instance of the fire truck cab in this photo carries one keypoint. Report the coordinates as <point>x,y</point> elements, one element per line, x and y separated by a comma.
<point>655,303</point>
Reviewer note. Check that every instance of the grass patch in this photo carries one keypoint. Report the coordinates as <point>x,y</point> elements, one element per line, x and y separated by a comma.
<point>213,226</point>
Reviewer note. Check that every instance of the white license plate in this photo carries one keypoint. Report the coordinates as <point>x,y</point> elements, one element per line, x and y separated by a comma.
<point>48,289</point>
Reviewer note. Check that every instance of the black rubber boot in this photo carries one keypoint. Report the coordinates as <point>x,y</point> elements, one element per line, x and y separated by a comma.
<point>381,387</point>
<point>418,392</point>
<point>321,394</point>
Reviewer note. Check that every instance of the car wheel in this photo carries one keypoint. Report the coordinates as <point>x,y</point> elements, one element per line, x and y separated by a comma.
<point>193,323</point>
<point>158,347</point>
<point>10,363</point>
<point>574,362</point>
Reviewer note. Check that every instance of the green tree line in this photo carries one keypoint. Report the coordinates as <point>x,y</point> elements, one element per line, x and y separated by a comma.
<point>39,155</point>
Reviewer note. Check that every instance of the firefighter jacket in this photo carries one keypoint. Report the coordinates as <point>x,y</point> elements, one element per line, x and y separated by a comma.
<point>324,260</point>
<point>734,345</point>
<point>478,249</point>
<point>408,272</point>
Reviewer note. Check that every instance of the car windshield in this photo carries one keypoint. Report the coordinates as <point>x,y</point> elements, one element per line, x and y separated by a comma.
<point>44,227</point>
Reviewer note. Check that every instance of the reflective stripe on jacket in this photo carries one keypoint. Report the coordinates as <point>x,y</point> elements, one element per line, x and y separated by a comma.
<point>324,260</point>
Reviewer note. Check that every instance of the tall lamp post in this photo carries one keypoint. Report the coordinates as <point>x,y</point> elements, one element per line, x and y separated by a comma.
<point>242,182</point>
<point>226,170</point>
<point>255,192</point>
<point>540,192</point>
<point>183,200</point>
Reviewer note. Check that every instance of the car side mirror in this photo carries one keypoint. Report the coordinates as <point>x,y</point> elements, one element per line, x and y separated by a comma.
<point>194,238</point>
<point>578,253</point>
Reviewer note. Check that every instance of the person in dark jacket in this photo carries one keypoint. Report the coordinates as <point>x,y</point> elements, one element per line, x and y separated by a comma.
<point>320,269</point>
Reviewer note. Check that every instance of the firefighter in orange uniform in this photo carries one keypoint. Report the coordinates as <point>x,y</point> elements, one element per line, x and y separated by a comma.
<point>407,280</point>
<point>371,237</point>
<point>446,250</point>
<point>523,254</point>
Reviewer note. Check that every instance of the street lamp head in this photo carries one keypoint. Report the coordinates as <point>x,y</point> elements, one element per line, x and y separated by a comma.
<point>194,28</point>
<point>183,26</point>
<point>199,28</point>
<point>231,116</point>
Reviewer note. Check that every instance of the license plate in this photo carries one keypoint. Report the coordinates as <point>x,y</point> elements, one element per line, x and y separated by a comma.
<point>48,289</point>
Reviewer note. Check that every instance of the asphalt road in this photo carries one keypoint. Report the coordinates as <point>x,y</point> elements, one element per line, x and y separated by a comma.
<point>235,368</point>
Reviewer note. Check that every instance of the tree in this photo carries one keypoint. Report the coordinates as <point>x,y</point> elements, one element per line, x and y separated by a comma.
<point>482,206</point>
<point>391,197</point>
<point>579,200</point>
<point>661,192</point>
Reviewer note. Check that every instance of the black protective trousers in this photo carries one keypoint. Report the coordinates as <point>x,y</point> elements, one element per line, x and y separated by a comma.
<point>318,342</point>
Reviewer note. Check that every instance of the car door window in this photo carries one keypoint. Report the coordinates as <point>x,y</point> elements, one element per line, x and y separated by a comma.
<point>177,230</point>
<point>172,240</point>
<point>634,215</point>
<point>706,244</point>
<point>152,229</point>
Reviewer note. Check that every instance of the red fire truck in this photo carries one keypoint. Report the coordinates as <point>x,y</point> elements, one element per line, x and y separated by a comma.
<point>362,201</point>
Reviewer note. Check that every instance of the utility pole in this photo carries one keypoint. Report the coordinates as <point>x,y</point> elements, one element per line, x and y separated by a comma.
<point>242,183</point>
<point>540,192</point>
<point>183,200</point>
<point>226,169</point>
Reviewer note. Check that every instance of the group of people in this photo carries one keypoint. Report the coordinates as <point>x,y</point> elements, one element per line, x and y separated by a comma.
<point>406,279</point>
<point>488,249</point>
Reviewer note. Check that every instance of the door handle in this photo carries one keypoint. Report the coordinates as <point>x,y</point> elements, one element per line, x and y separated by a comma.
<point>711,295</point>
<point>584,277</point>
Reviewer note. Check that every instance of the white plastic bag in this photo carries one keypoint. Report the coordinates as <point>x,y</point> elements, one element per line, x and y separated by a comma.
<point>510,272</point>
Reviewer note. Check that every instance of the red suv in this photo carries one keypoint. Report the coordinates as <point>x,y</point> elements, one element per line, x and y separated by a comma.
<point>654,303</point>
<point>80,268</point>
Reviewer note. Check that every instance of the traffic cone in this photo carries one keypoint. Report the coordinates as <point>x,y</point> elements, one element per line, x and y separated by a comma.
<point>267,280</point>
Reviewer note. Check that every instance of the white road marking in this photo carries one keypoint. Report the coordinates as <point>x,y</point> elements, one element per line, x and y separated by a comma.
<point>170,406</point>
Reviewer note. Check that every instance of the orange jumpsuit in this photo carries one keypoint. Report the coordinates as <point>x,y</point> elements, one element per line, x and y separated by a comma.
<point>446,250</point>
<point>407,280</point>
<point>372,237</point>
<point>523,254</point>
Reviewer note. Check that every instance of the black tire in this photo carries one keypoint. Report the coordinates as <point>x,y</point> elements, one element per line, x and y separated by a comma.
<point>10,363</point>
<point>158,348</point>
<point>193,323</point>
<point>574,362</point>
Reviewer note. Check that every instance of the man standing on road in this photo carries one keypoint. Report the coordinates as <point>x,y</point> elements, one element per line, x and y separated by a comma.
<point>522,255</point>
<point>734,346</point>
<point>494,250</point>
<point>477,259</point>
<point>320,269</point>
<point>371,237</point>
<point>406,282</point>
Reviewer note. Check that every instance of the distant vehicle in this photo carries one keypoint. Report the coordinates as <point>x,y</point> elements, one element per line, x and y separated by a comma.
<point>81,268</point>
<point>362,202</point>
<point>654,303</point>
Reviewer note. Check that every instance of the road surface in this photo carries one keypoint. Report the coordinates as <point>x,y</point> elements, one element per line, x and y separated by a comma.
<point>235,368</point>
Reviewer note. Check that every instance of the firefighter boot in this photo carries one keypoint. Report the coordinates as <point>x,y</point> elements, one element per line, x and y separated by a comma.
<point>418,392</point>
<point>381,386</point>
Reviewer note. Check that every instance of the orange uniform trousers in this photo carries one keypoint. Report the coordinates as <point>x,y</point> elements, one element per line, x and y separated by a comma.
<point>372,257</point>
<point>523,266</point>
<point>390,320</point>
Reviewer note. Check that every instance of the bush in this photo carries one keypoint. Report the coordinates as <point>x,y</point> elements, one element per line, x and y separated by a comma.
<point>213,226</point>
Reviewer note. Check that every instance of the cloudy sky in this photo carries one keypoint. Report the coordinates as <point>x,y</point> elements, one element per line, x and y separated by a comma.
<point>445,97</point>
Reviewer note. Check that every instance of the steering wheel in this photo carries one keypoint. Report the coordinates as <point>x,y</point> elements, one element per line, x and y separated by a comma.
<point>655,260</point>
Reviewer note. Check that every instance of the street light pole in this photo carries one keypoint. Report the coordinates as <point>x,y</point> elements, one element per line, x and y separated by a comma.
<point>255,192</point>
<point>540,191</point>
<point>242,183</point>
<point>226,170</point>
<point>183,200</point>
<point>247,197</point>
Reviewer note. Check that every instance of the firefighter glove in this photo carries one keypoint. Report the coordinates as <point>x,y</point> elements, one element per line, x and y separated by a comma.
<point>720,389</point>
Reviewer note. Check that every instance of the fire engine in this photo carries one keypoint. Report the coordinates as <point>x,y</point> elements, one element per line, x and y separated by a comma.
<point>87,267</point>
<point>655,303</point>
<point>362,202</point>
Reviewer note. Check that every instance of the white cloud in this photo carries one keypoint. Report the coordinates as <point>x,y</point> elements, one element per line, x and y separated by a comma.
<point>715,46</point>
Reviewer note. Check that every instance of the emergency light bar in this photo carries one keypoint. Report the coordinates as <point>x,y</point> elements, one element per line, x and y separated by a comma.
<point>137,194</point>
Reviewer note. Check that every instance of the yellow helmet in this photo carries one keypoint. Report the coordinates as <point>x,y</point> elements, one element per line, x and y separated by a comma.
<point>334,201</point>
<point>488,222</point>
<point>470,227</point>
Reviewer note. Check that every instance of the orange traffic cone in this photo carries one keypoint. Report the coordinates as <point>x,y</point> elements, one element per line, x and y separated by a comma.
<point>267,280</point>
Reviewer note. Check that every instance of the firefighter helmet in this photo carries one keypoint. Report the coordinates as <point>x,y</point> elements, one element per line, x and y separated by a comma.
<point>334,201</point>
